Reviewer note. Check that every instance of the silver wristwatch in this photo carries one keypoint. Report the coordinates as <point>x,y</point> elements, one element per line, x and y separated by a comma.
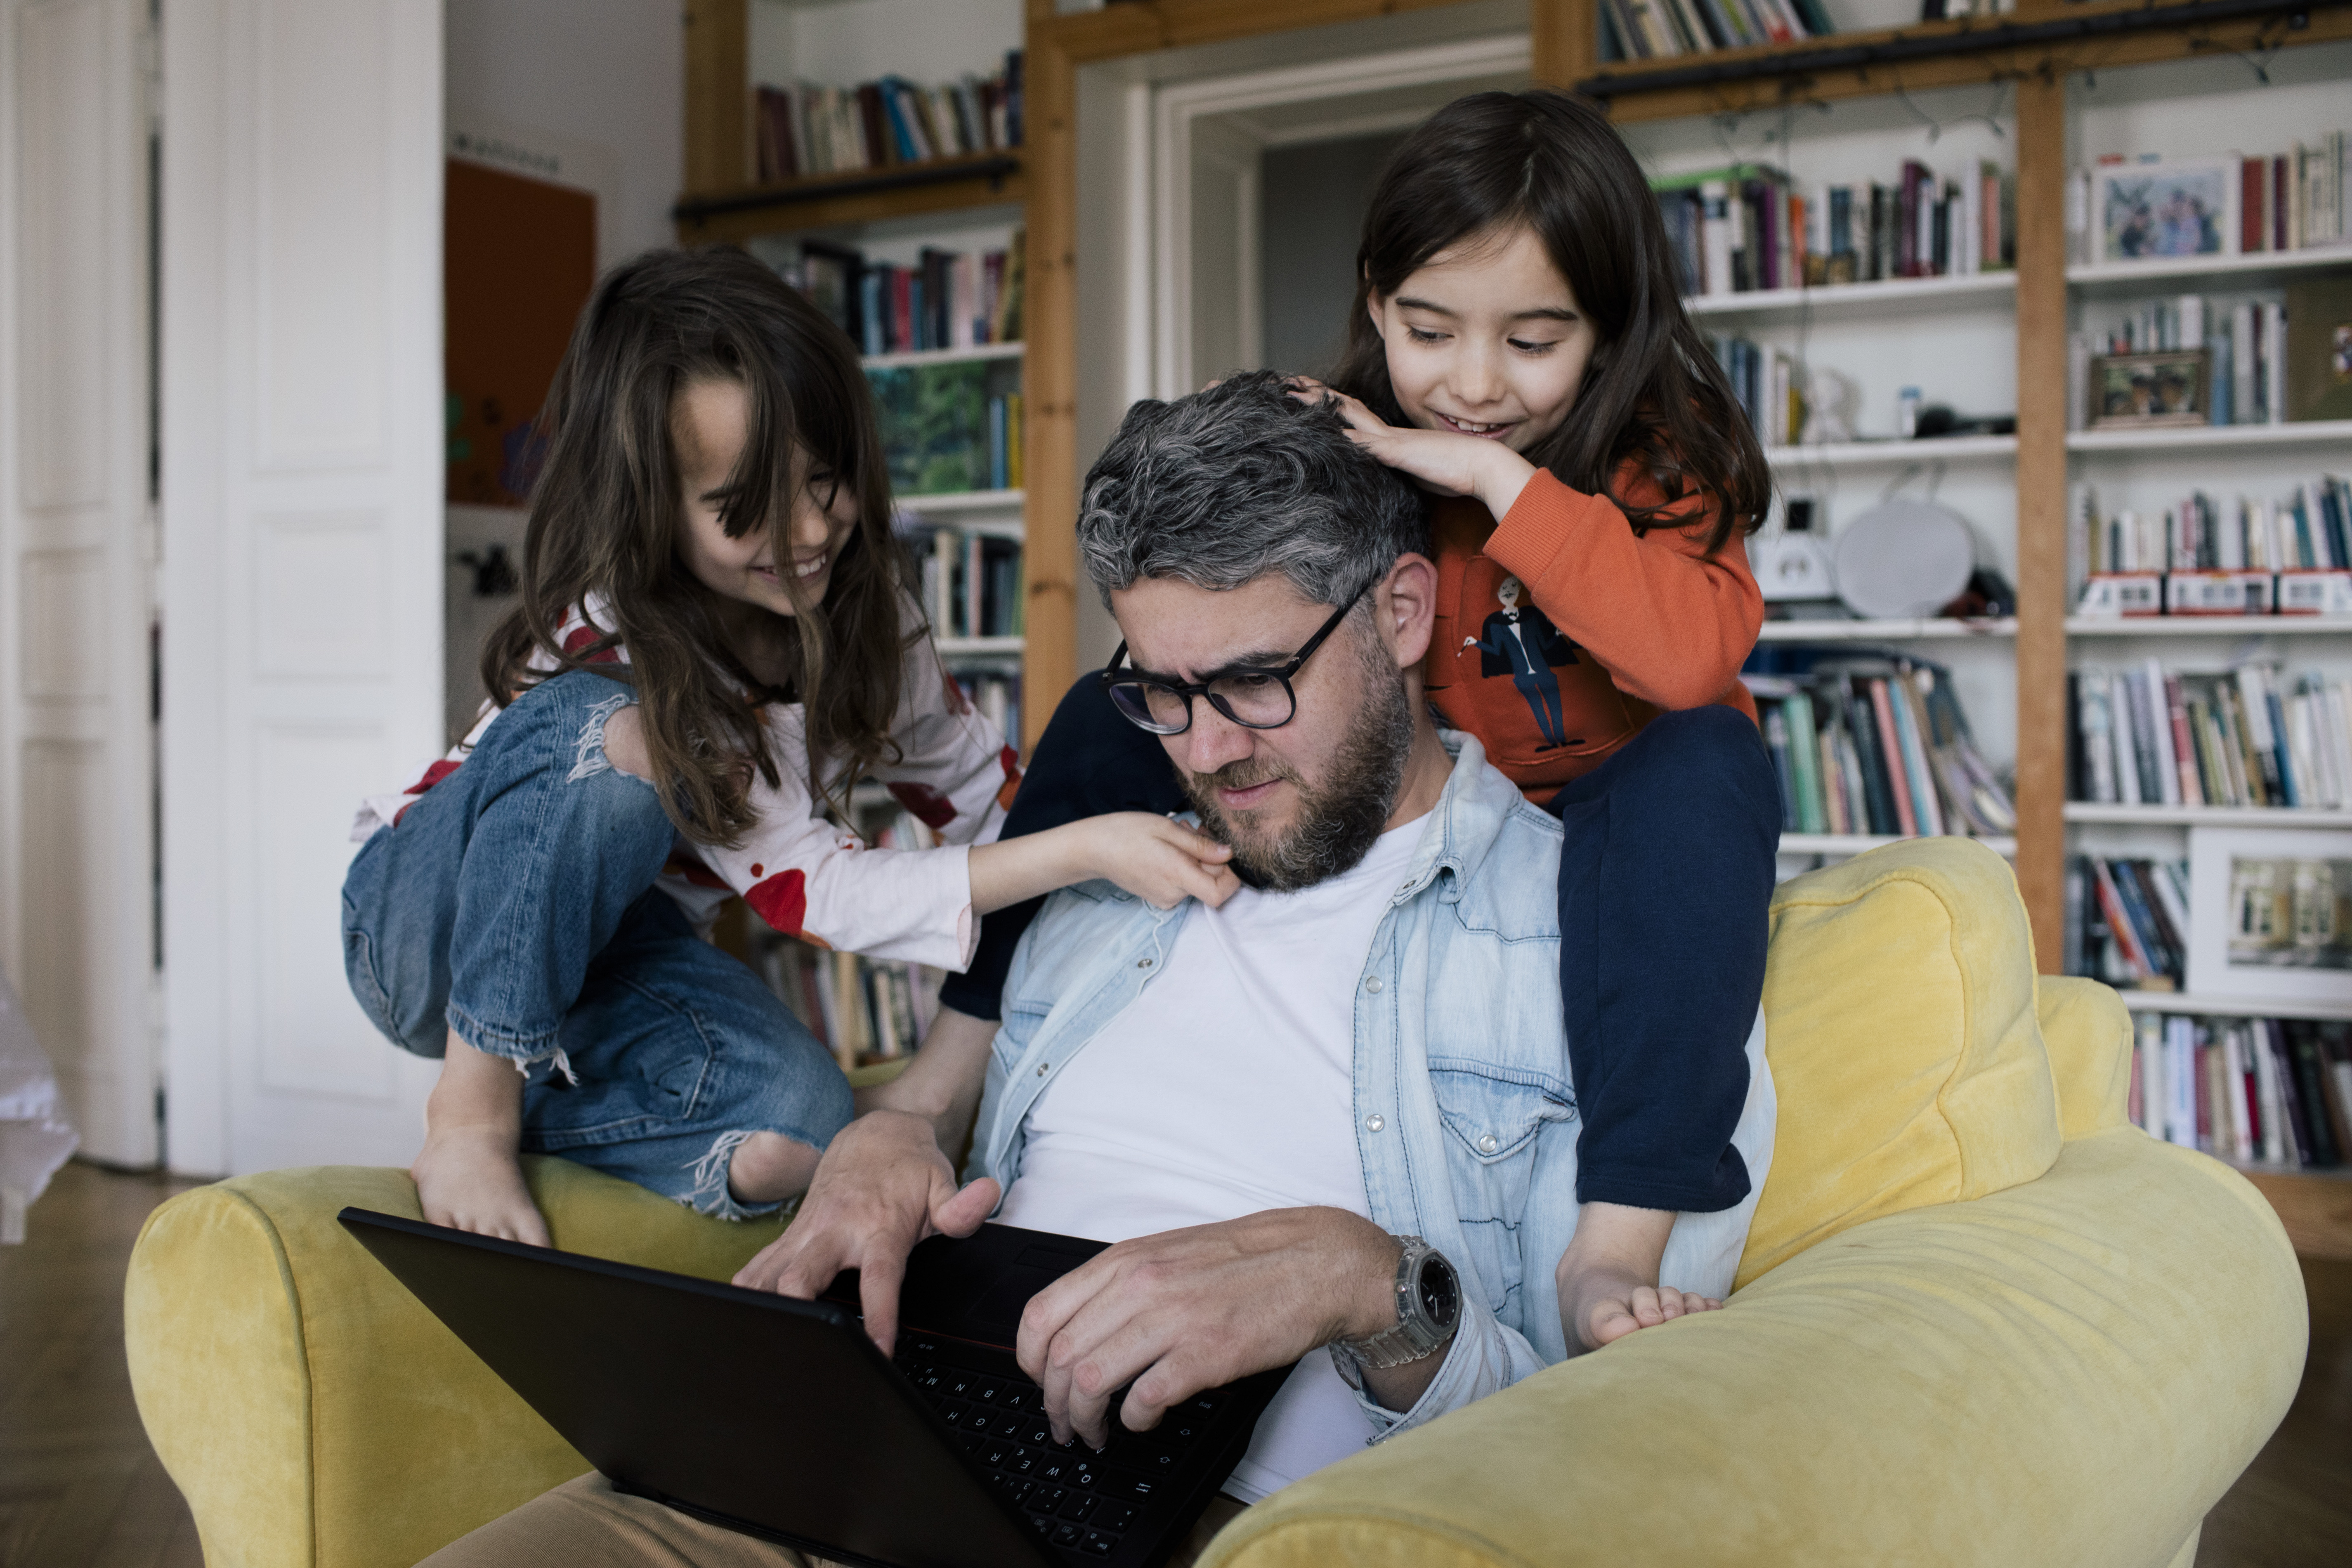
<point>1429,1304</point>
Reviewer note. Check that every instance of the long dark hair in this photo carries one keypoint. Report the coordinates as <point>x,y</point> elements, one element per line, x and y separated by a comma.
<point>1652,390</point>
<point>606,511</point>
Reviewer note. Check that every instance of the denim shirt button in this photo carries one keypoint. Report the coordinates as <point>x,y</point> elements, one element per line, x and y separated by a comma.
<point>1041,1069</point>
<point>1376,1121</point>
<point>1143,963</point>
<point>1373,985</point>
<point>1488,1144</point>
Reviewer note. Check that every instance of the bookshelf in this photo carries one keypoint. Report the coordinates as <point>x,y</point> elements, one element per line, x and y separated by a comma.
<point>1928,629</point>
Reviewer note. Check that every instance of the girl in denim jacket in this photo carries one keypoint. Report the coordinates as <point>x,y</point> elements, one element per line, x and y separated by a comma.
<point>714,644</point>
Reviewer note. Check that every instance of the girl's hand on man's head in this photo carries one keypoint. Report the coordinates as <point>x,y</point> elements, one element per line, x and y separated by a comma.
<point>1440,461</point>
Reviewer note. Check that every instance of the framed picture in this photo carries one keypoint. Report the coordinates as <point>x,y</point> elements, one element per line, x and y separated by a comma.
<point>2148,210</point>
<point>2169,388</point>
<point>2270,913</point>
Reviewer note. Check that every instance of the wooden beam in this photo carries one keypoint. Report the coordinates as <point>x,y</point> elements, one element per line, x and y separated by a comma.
<point>1563,41</point>
<point>717,94</point>
<point>814,208</point>
<point>2316,1210</point>
<point>2042,513</point>
<point>1138,28</point>
<point>1050,382</point>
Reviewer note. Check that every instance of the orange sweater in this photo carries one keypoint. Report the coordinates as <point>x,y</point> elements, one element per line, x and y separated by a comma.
<point>1560,632</point>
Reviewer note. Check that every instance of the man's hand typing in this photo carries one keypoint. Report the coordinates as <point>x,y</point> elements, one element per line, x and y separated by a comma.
<point>882,1186</point>
<point>1194,1308</point>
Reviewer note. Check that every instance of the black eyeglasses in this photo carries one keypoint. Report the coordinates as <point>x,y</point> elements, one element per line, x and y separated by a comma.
<point>1255,699</point>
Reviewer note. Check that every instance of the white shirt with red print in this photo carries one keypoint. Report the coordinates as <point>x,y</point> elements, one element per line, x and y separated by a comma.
<point>801,873</point>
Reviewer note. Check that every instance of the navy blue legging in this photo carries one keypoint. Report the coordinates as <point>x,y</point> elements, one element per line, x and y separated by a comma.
<point>1664,877</point>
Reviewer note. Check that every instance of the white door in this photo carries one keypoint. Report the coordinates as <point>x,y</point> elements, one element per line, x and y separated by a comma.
<point>301,540</point>
<point>76,751</point>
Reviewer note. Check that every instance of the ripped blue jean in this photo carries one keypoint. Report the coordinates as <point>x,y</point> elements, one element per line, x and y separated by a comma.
<point>515,904</point>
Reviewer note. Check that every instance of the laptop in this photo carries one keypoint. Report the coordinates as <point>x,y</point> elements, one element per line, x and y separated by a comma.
<point>780,1419</point>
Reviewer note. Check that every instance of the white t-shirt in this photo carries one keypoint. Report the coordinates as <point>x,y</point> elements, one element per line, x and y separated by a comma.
<point>1227,1088</point>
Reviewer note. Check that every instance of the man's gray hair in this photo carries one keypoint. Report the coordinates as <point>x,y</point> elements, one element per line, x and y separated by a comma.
<point>1223,487</point>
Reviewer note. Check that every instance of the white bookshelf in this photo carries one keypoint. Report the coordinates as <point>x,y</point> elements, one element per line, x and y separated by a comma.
<point>2263,269</point>
<point>1866,454</point>
<point>908,359</point>
<point>981,647</point>
<point>2205,815</point>
<point>1930,628</point>
<point>963,504</point>
<point>2200,1003</point>
<point>1858,843</point>
<point>2207,625</point>
<point>1859,302</point>
<point>2170,438</point>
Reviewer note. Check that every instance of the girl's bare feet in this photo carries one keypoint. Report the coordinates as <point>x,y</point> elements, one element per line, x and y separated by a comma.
<point>1608,1277</point>
<point>468,1176</point>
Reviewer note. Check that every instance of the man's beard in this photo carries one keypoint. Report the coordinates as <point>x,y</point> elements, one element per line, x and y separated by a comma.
<point>1338,822</point>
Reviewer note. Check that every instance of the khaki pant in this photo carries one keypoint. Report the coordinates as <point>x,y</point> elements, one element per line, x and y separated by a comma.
<point>584,1524</point>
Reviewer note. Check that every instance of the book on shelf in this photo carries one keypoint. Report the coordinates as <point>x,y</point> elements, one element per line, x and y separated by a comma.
<point>803,129</point>
<point>2269,202</point>
<point>1767,386</point>
<point>1748,226</point>
<point>971,581</point>
<point>996,694</point>
<point>948,427</point>
<point>863,1010</point>
<point>2248,345</point>
<point>2252,737</point>
<point>2287,554</point>
<point>2275,1091</point>
<point>947,300</point>
<point>1874,746</point>
<point>2128,921</point>
<point>1672,29</point>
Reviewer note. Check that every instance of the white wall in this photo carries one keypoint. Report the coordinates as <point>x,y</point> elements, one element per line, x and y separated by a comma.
<point>598,86</point>
<point>851,41</point>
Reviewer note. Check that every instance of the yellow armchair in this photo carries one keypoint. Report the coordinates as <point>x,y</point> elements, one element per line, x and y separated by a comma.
<point>1981,1318</point>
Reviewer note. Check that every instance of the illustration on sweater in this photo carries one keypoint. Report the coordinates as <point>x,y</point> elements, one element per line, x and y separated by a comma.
<point>1523,644</point>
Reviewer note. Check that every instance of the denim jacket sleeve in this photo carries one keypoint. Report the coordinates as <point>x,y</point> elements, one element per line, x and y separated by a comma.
<point>1484,1356</point>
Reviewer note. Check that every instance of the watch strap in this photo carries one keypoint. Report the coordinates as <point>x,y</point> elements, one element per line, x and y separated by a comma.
<point>1413,1337</point>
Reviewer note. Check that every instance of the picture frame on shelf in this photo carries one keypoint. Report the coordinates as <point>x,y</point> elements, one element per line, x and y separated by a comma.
<point>2152,211</point>
<point>2174,386</point>
<point>2270,913</point>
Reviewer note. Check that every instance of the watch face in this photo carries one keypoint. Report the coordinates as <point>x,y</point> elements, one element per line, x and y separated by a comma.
<point>1440,1293</point>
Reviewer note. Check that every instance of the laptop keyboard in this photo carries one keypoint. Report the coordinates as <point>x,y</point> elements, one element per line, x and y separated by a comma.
<point>1081,1500</point>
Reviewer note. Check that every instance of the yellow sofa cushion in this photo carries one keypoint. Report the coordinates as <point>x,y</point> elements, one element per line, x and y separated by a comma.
<point>1899,1021</point>
<point>2072,1371</point>
<point>312,1411</point>
<point>2089,1032</point>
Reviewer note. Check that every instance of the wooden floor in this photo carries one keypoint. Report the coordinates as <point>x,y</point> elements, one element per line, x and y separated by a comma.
<point>78,1486</point>
<point>80,1489</point>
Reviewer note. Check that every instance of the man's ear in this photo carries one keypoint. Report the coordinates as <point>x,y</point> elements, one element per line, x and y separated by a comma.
<point>1404,607</point>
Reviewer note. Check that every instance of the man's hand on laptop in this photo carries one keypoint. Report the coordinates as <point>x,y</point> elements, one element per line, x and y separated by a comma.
<point>1188,1309</point>
<point>882,1186</point>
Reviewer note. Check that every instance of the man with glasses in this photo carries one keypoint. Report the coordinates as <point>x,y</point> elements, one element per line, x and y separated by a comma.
<point>1332,1112</point>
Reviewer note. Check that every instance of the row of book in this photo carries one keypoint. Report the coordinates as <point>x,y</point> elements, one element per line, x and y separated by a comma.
<point>804,130</point>
<point>2308,528</point>
<point>863,1010</point>
<point>947,300</point>
<point>2275,1091</point>
<point>1748,227</point>
<point>2246,350</point>
<point>1765,382</point>
<point>1669,29</point>
<point>2292,200</point>
<point>1877,746</point>
<point>2127,919</point>
<point>2150,736</point>
<point>972,582</point>
<point>2123,209</point>
<point>996,694</point>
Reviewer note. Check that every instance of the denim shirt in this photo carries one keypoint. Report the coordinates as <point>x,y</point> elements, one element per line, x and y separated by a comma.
<point>1465,1117</point>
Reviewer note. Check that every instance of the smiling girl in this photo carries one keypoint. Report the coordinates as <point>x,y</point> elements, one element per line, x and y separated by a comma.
<point>1519,347</point>
<point>714,644</point>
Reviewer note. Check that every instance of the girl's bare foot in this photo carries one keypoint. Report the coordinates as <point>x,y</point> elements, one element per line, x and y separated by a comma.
<point>468,1177</point>
<point>1608,1277</point>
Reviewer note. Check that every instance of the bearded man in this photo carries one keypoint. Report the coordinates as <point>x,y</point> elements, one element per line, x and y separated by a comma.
<point>1333,1110</point>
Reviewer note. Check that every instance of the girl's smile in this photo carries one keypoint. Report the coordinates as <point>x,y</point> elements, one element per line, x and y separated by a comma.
<point>712,423</point>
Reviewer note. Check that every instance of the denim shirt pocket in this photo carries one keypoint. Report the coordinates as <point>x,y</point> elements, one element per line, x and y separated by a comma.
<point>1495,1117</point>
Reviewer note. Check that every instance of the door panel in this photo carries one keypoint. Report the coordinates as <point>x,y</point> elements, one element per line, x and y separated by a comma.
<point>76,754</point>
<point>302,525</point>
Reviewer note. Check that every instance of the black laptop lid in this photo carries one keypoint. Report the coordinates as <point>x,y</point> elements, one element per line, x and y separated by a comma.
<point>764,1409</point>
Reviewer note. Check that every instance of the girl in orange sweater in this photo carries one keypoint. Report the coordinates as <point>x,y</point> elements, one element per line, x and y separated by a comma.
<point>1521,349</point>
